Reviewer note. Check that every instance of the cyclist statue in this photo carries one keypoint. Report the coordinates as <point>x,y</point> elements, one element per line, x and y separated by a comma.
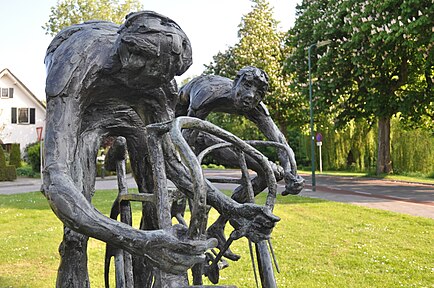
<point>106,80</point>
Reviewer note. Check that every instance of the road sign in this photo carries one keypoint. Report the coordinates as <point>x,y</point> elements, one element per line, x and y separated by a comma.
<point>318,137</point>
<point>39,133</point>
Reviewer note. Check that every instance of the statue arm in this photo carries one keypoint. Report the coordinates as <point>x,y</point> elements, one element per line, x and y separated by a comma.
<point>256,222</point>
<point>162,248</point>
<point>262,119</point>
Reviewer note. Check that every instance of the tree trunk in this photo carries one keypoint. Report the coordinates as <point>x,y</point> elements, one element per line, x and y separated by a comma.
<point>384,163</point>
<point>283,127</point>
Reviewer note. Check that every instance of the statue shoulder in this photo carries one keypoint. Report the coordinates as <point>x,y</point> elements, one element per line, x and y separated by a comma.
<point>76,50</point>
<point>207,89</point>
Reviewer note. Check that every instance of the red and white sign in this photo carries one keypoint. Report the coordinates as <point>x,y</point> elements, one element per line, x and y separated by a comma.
<point>39,133</point>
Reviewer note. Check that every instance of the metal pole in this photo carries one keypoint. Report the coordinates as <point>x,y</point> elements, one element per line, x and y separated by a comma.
<point>320,159</point>
<point>312,137</point>
<point>41,143</point>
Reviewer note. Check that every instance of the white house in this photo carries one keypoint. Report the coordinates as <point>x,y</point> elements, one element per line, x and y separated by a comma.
<point>20,112</point>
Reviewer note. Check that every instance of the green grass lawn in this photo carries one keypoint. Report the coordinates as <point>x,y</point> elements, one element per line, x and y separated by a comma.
<point>318,244</point>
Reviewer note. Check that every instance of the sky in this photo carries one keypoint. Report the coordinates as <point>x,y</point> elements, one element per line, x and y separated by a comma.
<point>211,26</point>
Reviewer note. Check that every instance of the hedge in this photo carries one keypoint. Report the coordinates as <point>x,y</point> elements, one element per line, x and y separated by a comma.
<point>33,156</point>
<point>15,157</point>
<point>7,172</point>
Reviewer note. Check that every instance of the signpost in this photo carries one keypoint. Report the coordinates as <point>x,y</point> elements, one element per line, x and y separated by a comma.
<point>319,144</point>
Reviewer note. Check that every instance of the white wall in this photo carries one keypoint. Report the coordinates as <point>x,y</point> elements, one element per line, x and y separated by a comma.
<point>18,133</point>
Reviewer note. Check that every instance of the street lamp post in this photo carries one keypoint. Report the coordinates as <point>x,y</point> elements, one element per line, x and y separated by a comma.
<point>312,135</point>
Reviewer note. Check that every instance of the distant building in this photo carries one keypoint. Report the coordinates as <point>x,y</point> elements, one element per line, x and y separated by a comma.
<point>20,112</point>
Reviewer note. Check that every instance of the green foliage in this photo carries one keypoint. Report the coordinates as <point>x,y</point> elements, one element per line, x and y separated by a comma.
<point>10,173</point>
<point>238,125</point>
<point>99,169</point>
<point>224,64</point>
<point>261,45</point>
<point>7,172</point>
<point>244,129</point>
<point>15,155</point>
<point>213,166</point>
<point>69,12</point>
<point>2,164</point>
<point>412,150</point>
<point>2,157</point>
<point>27,171</point>
<point>379,62</point>
<point>353,148</point>
<point>33,156</point>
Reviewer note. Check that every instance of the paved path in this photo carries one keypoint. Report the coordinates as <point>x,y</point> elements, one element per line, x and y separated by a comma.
<point>409,198</point>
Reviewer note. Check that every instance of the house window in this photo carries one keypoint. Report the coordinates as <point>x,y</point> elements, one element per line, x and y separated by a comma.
<point>23,116</point>
<point>6,92</point>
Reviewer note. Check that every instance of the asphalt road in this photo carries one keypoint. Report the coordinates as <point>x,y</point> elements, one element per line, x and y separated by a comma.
<point>409,198</point>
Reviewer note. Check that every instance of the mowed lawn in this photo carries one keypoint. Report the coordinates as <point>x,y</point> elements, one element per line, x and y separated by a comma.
<point>318,244</point>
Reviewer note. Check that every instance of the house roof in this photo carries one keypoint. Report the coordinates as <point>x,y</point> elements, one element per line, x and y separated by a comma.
<point>21,85</point>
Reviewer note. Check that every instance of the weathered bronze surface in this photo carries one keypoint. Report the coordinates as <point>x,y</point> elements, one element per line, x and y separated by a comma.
<point>105,80</point>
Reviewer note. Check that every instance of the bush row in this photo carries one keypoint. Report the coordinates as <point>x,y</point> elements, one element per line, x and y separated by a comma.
<point>7,172</point>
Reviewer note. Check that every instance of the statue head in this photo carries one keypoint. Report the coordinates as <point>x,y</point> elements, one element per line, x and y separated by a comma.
<point>153,47</point>
<point>249,87</point>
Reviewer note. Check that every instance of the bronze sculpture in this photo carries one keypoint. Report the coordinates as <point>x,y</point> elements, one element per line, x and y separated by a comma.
<point>104,80</point>
<point>242,96</point>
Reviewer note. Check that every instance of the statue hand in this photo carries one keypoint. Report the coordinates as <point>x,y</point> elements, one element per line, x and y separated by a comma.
<point>294,184</point>
<point>172,252</point>
<point>255,222</point>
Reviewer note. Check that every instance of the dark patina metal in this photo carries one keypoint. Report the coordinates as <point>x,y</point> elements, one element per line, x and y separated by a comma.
<point>108,80</point>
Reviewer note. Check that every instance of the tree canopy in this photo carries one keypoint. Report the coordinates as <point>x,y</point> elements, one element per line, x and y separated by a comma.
<point>68,12</point>
<point>379,62</point>
<point>261,44</point>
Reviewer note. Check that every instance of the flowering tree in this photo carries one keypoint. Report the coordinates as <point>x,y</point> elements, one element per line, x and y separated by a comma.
<point>379,62</point>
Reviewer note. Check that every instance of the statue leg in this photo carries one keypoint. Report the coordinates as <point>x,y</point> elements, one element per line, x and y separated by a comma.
<point>72,271</point>
<point>143,270</point>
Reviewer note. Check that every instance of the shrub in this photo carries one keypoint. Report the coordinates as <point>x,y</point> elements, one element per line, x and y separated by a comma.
<point>111,173</point>
<point>106,172</point>
<point>33,156</point>
<point>213,166</point>
<point>2,164</point>
<point>15,155</point>
<point>7,172</point>
<point>27,171</point>
<point>11,173</point>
